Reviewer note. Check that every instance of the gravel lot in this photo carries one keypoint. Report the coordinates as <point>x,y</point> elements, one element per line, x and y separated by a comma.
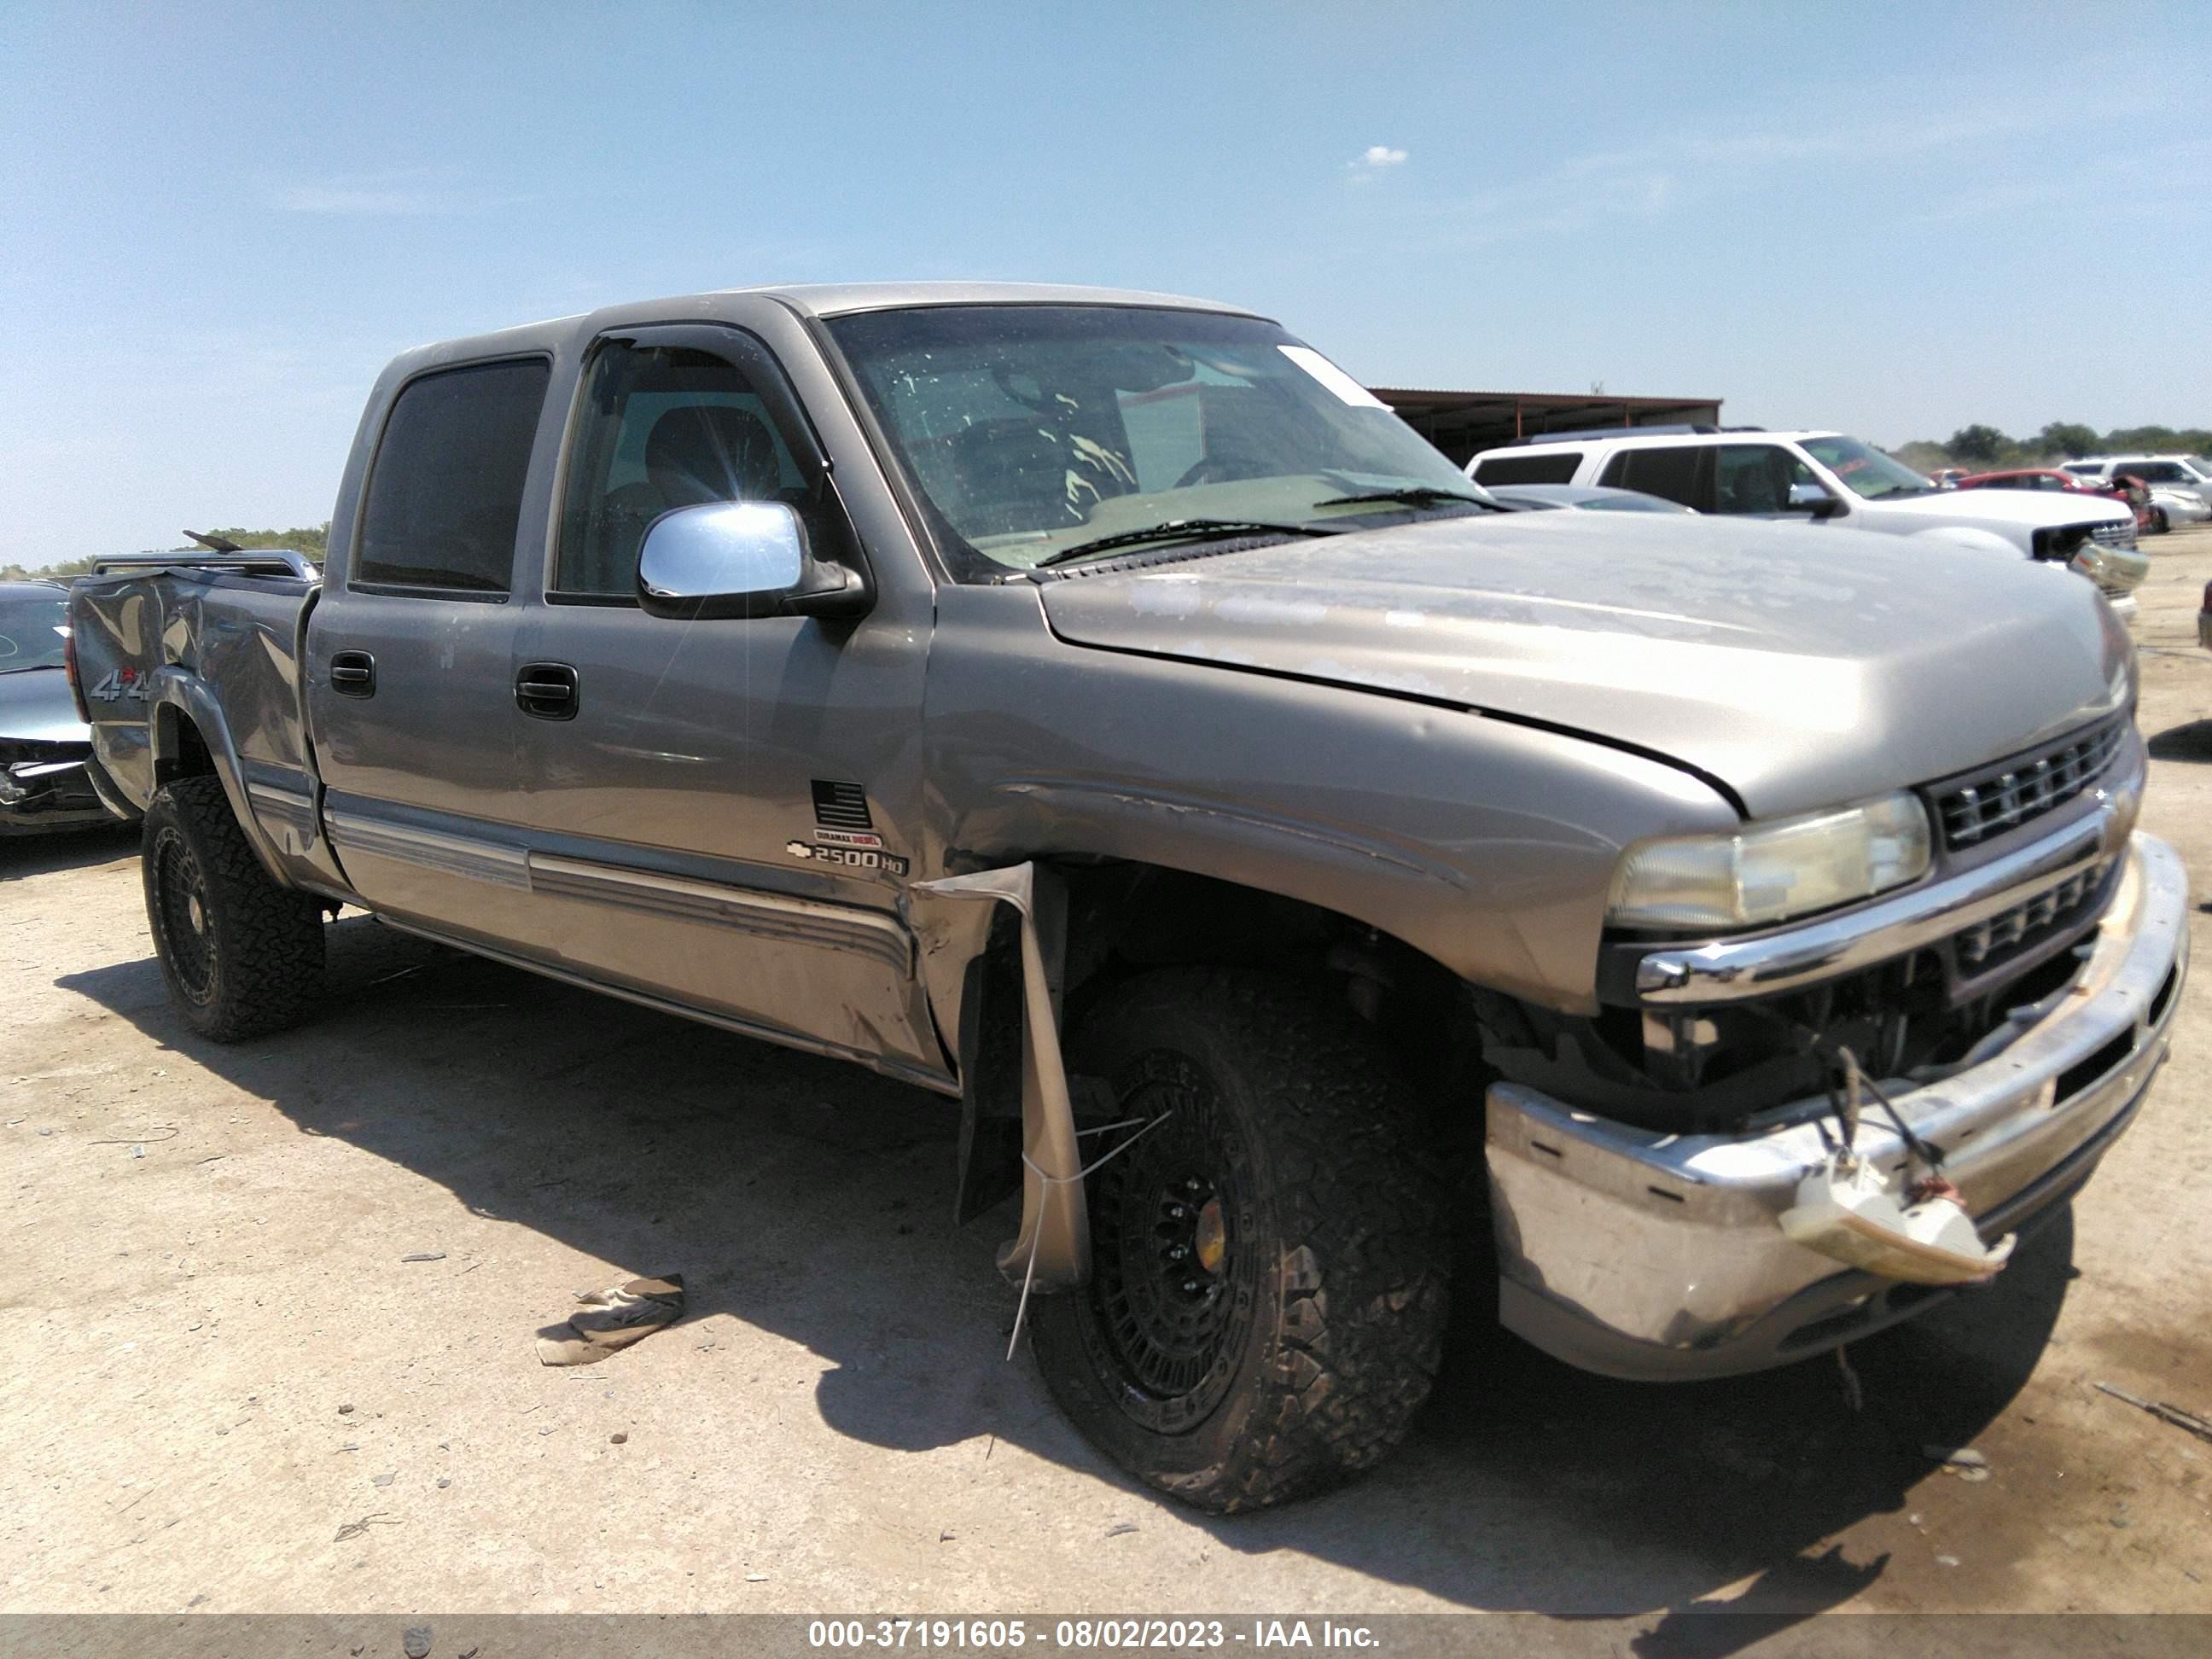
<point>204,1271</point>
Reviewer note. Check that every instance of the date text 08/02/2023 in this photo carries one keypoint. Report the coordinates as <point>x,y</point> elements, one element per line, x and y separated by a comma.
<point>1086,1633</point>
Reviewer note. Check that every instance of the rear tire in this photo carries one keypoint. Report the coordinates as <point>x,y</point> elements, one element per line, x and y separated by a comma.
<point>2159,522</point>
<point>1267,1307</point>
<point>242,956</point>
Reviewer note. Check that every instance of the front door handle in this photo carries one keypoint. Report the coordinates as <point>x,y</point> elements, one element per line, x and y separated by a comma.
<point>547,690</point>
<point>353,673</point>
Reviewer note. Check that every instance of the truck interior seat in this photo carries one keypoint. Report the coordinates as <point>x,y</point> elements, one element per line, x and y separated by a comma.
<point>712,452</point>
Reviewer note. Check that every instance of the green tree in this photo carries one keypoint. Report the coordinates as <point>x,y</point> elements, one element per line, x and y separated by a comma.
<point>2067,438</point>
<point>2143,437</point>
<point>1978,443</point>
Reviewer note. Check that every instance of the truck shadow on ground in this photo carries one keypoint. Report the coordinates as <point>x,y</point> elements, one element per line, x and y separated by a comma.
<point>2191,740</point>
<point>811,1199</point>
<point>43,854</point>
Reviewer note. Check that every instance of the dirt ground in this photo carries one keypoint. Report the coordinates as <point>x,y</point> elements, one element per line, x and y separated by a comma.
<point>203,1272</point>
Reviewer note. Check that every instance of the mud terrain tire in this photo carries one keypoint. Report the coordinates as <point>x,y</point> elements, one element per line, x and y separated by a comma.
<point>1267,1307</point>
<point>242,955</point>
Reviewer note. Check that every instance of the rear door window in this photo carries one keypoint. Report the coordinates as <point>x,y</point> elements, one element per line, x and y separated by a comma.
<point>1669,471</point>
<point>1554,467</point>
<point>445,491</point>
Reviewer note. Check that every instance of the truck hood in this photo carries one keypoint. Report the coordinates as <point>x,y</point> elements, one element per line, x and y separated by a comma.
<point>35,707</point>
<point>2006,509</point>
<point>1799,671</point>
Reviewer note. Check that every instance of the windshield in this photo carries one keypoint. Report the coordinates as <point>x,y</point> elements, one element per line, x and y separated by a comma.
<point>1865,471</point>
<point>1031,429</point>
<point>32,631</point>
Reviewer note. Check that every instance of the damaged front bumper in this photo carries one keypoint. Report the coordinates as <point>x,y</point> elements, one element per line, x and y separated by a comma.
<point>40,794</point>
<point>1641,1254</point>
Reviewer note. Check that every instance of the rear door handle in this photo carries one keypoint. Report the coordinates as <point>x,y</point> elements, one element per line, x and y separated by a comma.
<point>353,674</point>
<point>547,690</point>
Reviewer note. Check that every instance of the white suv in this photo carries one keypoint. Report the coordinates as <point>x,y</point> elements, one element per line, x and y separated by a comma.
<point>2188,473</point>
<point>1827,477</point>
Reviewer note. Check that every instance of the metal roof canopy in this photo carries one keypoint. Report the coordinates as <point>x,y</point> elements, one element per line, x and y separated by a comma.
<point>1464,423</point>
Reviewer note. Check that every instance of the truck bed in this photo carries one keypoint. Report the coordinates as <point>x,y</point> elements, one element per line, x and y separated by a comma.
<point>194,665</point>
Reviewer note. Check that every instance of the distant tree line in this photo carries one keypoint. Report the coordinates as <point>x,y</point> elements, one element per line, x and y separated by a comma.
<point>311,542</point>
<point>1988,448</point>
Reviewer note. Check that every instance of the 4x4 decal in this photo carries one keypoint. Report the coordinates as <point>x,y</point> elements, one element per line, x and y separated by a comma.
<point>121,683</point>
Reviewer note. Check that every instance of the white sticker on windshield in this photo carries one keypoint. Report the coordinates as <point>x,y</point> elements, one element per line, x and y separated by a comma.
<point>1332,377</point>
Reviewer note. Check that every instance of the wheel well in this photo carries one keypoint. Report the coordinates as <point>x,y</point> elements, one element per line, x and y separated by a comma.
<point>182,751</point>
<point>1124,919</point>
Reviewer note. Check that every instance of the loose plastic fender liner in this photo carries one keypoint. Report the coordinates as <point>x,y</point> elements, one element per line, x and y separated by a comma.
<point>1052,1252</point>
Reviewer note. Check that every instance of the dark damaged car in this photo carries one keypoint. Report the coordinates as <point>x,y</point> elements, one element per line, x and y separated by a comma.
<point>45,777</point>
<point>1096,708</point>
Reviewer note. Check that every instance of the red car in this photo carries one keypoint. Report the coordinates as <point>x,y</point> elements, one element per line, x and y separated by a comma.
<point>2046,478</point>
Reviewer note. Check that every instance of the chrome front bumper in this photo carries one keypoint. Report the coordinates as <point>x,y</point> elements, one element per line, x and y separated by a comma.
<point>1659,1256</point>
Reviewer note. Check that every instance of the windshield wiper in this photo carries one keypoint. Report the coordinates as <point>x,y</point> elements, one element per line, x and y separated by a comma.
<point>1179,529</point>
<point>1413,495</point>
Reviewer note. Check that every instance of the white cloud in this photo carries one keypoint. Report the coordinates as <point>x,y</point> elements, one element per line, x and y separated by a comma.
<point>1374,161</point>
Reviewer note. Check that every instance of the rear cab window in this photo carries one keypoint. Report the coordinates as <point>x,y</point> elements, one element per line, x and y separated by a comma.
<point>1557,466</point>
<point>444,501</point>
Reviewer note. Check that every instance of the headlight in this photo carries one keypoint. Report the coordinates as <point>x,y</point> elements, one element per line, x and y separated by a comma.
<point>1769,871</point>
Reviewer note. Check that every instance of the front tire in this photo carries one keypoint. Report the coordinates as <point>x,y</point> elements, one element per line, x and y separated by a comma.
<point>1268,1293</point>
<point>242,956</point>
<point>2159,522</point>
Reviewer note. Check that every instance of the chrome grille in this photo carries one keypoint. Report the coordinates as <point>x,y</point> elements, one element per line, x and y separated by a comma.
<point>2116,535</point>
<point>1979,944</point>
<point>2029,788</point>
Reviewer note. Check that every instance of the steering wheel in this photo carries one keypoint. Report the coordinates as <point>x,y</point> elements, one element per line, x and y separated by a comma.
<point>1031,396</point>
<point>1206,468</point>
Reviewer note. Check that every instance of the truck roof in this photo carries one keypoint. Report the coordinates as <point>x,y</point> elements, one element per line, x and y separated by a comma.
<point>808,299</point>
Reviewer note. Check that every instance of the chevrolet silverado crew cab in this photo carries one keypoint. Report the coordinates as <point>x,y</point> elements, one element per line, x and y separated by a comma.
<point>48,779</point>
<point>1827,478</point>
<point>1096,708</point>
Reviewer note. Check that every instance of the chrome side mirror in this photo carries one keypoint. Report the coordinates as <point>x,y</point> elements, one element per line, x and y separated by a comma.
<point>740,559</point>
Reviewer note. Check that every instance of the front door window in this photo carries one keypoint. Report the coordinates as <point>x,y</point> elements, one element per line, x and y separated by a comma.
<point>663,426</point>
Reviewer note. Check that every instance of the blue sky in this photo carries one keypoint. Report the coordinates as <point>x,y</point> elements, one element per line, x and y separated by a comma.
<point>222,220</point>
